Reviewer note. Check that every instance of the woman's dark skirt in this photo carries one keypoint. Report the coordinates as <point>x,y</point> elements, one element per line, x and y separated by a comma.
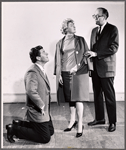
<point>67,81</point>
<point>75,87</point>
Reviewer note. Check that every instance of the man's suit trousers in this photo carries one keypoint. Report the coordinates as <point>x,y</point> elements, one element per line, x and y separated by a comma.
<point>37,132</point>
<point>104,88</point>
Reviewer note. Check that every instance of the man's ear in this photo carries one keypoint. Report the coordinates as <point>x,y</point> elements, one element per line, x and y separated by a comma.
<point>38,58</point>
<point>105,17</point>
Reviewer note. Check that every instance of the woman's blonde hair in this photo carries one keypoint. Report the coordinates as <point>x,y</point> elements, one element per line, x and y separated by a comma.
<point>65,24</point>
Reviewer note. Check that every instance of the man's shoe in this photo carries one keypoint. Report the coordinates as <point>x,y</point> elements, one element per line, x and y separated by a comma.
<point>10,133</point>
<point>112,127</point>
<point>17,122</point>
<point>95,122</point>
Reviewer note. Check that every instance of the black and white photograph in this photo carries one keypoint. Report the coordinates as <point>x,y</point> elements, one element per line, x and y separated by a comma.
<point>62,75</point>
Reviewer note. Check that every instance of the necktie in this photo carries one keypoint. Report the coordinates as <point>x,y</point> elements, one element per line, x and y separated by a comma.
<point>99,32</point>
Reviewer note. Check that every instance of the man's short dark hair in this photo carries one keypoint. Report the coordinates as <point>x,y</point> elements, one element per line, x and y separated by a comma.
<point>104,11</point>
<point>34,52</point>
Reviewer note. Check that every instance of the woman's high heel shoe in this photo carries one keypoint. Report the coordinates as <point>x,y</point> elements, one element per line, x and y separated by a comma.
<point>80,134</point>
<point>69,129</point>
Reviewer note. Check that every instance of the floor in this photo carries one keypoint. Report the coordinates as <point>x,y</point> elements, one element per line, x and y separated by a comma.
<point>96,137</point>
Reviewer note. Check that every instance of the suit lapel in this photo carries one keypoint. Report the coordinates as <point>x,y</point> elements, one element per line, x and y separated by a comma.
<point>61,44</point>
<point>76,41</point>
<point>104,30</point>
<point>47,79</point>
<point>43,76</point>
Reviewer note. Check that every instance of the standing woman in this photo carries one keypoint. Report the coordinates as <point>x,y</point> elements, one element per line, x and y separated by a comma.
<point>71,72</point>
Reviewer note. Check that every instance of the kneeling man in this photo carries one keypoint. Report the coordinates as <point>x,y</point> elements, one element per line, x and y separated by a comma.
<point>39,127</point>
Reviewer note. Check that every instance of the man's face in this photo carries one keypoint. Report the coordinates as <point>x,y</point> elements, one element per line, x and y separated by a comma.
<point>71,28</point>
<point>43,56</point>
<point>99,17</point>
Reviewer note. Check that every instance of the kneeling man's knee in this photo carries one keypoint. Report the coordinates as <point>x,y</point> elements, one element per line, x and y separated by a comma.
<point>46,139</point>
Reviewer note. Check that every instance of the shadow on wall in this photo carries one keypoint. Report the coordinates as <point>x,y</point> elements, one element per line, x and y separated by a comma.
<point>19,96</point>
<point>19,86</point>
<point>19,91</point>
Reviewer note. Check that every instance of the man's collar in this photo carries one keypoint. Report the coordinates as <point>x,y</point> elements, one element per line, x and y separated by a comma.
<point>41,67</point>
<point>104,25</point>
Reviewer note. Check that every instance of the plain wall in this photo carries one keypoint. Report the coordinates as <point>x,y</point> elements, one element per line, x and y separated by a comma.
<point>28,24</point>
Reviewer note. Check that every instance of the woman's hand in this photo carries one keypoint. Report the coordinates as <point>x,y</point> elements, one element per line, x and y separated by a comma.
<point>60,80</point>
<point>73,70</point>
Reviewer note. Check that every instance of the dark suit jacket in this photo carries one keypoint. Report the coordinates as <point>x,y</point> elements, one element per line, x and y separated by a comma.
<point>37,94</point>
<point>106,48</point>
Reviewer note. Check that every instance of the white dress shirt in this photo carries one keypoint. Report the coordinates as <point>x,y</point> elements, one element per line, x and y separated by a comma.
<point>42,69</point>
<point>102,27</point>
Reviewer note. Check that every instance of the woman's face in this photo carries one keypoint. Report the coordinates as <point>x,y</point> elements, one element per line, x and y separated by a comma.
<point>71,28</point>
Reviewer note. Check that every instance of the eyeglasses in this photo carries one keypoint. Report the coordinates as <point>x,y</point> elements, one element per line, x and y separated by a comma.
<point>96,16</point>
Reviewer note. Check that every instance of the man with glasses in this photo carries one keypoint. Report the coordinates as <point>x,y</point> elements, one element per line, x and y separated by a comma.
<point>104,45</point>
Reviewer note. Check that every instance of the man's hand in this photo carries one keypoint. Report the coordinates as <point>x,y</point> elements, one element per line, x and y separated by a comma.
<point>60,80</point>
<point>73,70</point>
<point>42,110</point>
<point>90,54</point>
